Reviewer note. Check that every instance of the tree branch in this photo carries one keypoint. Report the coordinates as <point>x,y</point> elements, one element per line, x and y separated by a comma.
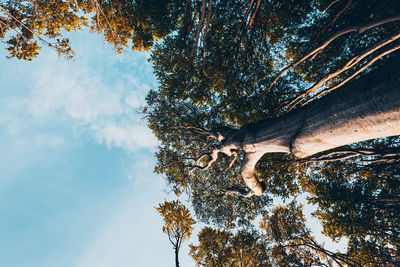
<point>354,74</point>
<point>333,21</point>
<point>357,28</point>
<point>237,191</point>
<point>199,27</point>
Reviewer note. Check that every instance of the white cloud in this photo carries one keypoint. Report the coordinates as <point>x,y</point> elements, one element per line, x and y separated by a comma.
<point>87,98</point>
<point>125,136</point>
<point>76,93</point>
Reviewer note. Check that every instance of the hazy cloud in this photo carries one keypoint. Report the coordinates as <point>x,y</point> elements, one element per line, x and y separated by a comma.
<point>105,103</point>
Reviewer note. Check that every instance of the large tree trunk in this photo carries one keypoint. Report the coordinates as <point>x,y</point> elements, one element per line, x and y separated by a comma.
<point>366,109</point>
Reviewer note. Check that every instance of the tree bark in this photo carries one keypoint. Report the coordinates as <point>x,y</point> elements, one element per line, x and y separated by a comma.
<point>176,257</point>
<point>367,108</point>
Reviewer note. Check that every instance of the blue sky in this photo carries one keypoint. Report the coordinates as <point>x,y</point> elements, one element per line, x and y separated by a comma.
<point>76,161</point>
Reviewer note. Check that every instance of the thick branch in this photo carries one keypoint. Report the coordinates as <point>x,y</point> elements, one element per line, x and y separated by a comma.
<point>249,162</point>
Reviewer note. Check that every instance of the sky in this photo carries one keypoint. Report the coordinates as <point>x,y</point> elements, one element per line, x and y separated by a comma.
<point>76,160</point>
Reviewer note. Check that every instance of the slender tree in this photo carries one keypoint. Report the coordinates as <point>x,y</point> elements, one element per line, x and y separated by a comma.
<point>178,224</point>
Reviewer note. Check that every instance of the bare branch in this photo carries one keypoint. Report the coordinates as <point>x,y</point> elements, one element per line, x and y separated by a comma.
<point>247,170</point>
<point>212,158</point>
<point>331,4</point>
<point>232,161</point>
<point>350,64</point>
<point>26,27</point>
<point>244,18</point>
<point>354,74</point>
<point>332,22</point>
<point>238,192</point>
<point>357,28</point>
<point>197,130</point>
<point>385,155</point>
<point>254,15</point>
<point>99,10</point>
<point>203,12</point>
<point>206,30</point>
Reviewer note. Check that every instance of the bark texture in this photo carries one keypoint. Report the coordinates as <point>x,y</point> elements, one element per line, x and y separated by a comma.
<point>367,108</point>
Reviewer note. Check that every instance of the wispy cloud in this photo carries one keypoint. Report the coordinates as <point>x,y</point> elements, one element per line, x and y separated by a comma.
<point>125,136</point>
<point>86,96</point>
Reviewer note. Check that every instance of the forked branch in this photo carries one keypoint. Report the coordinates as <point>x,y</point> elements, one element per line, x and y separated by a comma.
<point>333,21</point>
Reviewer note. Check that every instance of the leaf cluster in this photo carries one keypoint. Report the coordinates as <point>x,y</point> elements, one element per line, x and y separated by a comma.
<point>178,222</point>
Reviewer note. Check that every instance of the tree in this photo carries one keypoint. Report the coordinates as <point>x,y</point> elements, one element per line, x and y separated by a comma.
<point>273,85</point>
<point>178,224</point>
<point>223,248</point>
<point>276,76</point>
<point>220,106</point>
<point>26,26</point>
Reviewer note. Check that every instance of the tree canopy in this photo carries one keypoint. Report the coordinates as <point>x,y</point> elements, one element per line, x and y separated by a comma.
<point>27,26</point>
<point>223,248</point>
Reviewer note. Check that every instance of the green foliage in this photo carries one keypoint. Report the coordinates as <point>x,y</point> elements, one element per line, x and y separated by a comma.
<point>361,201</point>
<point>223,248</point>
<point>293,243</point>
<point>204,187</point>
<point>214,81</point>
<point>27,25</point>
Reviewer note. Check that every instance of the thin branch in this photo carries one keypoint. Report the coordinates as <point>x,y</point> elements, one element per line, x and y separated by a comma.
<point>253,16</point>
<point>244,18</point>
<point>212,158</point>
<point>100,10</point>
<point>357,28</point>
<point>15,30</point>
<point>332,22</point>
<point>26,27</point>
<point>354,74</point>
<point>197,130</point>
<point>350,64</point>
<point>232,161</point>
<point>390,154</point>
<point>331,4</point>
<point>206,30</point>
<point>203,12</point>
